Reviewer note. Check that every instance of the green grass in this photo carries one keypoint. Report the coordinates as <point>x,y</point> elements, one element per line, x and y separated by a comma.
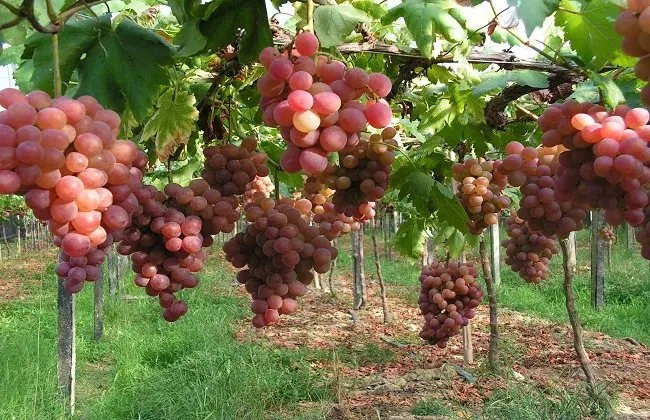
<point>627,290</point>
<point>149,369</point>
<point>146,368</point>
<point>627,293</point>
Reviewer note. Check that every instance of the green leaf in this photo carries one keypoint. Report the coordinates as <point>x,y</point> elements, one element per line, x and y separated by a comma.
<point>190,39</point>
<point>589,28</point>
<point>449,208</point>
<point>498,80</point>
<point>533,12</point>
<point>374,10</point>
<point>424,19</point>
<point>334,23</point>
<point>172,123</point>
<point>76,39</point>
<point>182,9</point>
<point>456,243</point>
<point>409,240</point>
<point>118,66</point>
<point>224,20</point>
<point>611,93</point>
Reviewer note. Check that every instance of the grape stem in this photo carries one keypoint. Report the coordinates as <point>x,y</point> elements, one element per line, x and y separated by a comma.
<point>56,65</point>
<point>310,16</point>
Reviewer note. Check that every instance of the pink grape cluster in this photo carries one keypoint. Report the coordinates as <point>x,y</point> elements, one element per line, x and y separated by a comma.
<point>608,234</point>
<point>165,249</point>
<point>480,192</point>
<point>605,165</point>
<point>633,24</point>
<point>280,249</point>
<point>533,170</point>
<point>324,215</point>
<point>258,188</point>
<point>449,294</point>
<point>361,178</point>
<point>64,156</point>
<point>230,168</point>
<point>320,106</point>
<point>218,214</point>
<point>527,253</point>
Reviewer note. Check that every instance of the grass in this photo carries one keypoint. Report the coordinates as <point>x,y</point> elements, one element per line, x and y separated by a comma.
<point>146,368</point>
<point>627,291</point>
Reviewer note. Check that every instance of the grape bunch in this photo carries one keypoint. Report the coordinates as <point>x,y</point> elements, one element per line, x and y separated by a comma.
<point>318,104</point>
<point>480,192</point>
<point>330,223</point>
<point>527,253</point>
<point>633,24</point>
<point>218,214</point>
<point>608,234</point>
<point>280,249</point>
<point>606,164</point>
<point>258,188</point>
<point>64,156</point>
<point>449,294</point>
<point>230,168</point>
<point>361,178</point>
<point>165,249</point>
<point>533,170</point>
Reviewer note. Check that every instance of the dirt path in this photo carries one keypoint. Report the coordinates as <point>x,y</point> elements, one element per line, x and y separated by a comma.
<point>540,353</point>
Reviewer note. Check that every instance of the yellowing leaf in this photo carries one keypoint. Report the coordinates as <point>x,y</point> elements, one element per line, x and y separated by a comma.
<point>172,123</point>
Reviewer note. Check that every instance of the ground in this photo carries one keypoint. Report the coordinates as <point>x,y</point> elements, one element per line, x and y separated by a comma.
<point>399,371</point>
<point>320,363</point>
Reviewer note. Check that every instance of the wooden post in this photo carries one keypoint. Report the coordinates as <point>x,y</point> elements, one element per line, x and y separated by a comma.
<point>18,235</point>
<point>495,257</point>
<point>317,283</point>
<point>574,319</point>
<point>380,276</point>
<point>493,351</point>
<point>387,236</point>
<point>597,262</point>
<point>573,258</point>
<point>99,306</point>
<point>431,253</point>
<point>362,262</point>
<point>468,348</point>
<point>630,237</point>
<point>332,268</point>
<point>66,362</point>
<point>112,278</point>
<point>359,298</point>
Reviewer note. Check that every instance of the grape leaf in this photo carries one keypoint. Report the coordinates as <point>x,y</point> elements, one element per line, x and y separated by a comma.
<point>409,240</point>
<point>374,10</point>
<point>190,39</point>
<point>75,40</point>
<point>223,21</point>
<point>424,19</point>
<point>182,9</point>
<point>612,95</point>
<point>589,28</point>
<point>533,12</point>
<point>172,123</point>
<point>334,23</point>
<point>456,243</point>
<point>118,66</point>
<point>449,208</point>
<point>498,80</point>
